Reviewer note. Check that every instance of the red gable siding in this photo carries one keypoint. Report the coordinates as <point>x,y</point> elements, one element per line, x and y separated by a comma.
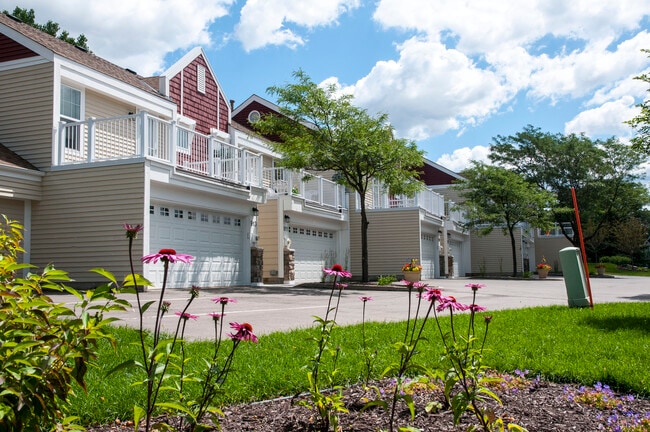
<point>12,50</point>
<point>432,176</point>
<point>210,110</point>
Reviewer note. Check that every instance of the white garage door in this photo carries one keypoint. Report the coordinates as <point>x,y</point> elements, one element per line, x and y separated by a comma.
<point>214,239</point>
<point>429,244</point>
<point>315,249</point>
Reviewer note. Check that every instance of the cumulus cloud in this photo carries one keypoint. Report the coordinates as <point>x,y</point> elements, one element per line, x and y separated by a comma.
<point>134,34</point>
<point>606,119</point>
<point>461,158</point>
<point>429,89</point>
<point>264,22</point>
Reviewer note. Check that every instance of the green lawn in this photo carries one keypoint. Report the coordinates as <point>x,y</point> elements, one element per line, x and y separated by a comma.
<point>610,344</point>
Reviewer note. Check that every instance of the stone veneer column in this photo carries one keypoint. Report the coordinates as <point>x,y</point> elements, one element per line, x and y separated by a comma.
<point>257,264</point>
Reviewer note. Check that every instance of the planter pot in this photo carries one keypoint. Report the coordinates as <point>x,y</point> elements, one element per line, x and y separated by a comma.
<point>542,273</point>
<point>412,276</point>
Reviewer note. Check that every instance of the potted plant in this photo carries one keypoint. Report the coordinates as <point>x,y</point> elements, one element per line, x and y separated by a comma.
<point>600,268</point>
<point>412,271</point>
<point>543,268</point>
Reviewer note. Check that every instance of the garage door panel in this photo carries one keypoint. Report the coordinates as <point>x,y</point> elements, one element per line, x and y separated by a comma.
<point>314,249</point>
<point>216,246</point>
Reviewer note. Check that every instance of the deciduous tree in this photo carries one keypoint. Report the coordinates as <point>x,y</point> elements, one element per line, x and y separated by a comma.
<point>498,198</point>
<point>51,27</point>
<point>321,130</point>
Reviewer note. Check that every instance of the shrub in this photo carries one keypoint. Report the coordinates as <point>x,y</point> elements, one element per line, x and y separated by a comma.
<point>616,259</point>
<point>45,346</point>
<point>386,280</point>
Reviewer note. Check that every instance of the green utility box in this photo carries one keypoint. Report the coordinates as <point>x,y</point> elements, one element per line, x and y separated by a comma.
<point>574,277</point>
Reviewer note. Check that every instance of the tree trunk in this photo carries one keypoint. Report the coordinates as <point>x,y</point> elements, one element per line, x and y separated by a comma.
<point>514,250</point>
<point>364,239</point>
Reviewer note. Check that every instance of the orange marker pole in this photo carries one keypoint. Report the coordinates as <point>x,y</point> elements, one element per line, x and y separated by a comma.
<point>582,246</point>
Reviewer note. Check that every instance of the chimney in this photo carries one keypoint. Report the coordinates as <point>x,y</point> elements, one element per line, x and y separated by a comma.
<point>232,104</point>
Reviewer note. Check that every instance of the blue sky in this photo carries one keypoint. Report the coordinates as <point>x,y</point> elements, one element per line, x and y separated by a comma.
<point>451,75</point>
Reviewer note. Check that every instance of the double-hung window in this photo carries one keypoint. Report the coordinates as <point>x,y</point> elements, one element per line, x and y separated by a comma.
<point>71,112</point>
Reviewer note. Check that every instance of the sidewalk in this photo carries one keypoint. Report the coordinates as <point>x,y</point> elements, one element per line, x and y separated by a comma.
<point>280,308</point>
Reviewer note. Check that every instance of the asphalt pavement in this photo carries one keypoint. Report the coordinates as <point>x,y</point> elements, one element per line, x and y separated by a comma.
<point>274,308</point>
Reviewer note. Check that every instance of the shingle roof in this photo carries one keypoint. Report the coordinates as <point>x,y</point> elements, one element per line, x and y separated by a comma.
<point>78,55</point>
<point>9,158</point>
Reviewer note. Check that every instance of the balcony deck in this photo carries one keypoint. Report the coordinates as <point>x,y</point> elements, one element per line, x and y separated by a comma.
<point>142,135</point>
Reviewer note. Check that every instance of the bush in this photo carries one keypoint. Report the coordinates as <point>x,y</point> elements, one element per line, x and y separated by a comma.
<point>386,280</point>
<point>45,346</point>
<point>616,259</point>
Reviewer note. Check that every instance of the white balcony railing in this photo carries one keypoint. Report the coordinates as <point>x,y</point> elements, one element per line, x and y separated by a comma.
<point>428,200</point>
<point>142,135</point>
<point>303,185</point>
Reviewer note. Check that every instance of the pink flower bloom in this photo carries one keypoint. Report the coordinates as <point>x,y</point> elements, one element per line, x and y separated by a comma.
<point>216,316</point>
<point>132,230</point>
<point>365,298</point>
<point>244,332</point>
<point>187,315</point>
<point>341,286</point>
<point>475,286</point>
<point>224,300</point>
<point>451,304</point>
<point>168,255</point>
<point>476,308</point>
<point>432,294</point>
<point>337,270</point>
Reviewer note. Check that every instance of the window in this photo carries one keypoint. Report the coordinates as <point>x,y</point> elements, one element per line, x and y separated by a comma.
<point>191,215</point>
<point>237,222</point>
<point>178,213</point>
<point>71,112</point>
<point>216,219</point>
<point>151,210</point>
<point>253,116</point>
<point>226,220</point>
<point>204,217</point>
<point>164,211</point>
<point>200,79</point>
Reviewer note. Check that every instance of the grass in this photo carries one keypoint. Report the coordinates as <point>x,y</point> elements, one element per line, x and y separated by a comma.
<point>610,344</point>
<point>613,269</point>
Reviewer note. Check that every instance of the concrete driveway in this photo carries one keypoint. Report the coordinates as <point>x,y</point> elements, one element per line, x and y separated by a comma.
<point>280,308</point>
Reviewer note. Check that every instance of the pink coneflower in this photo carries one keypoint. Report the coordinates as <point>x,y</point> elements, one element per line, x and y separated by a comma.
<point>337,270</point>
<point>168,255</point>
<point>187,315</point>
<point>475,286</point>
<point>132,230</point>
<point>341,286</point>
<point>244,332</point>
<point>432,294</point>
<point>476,308</point>
<point>216,316</point>
<point>365,299</point>
<point>224,300</point>
<point>451,304</point>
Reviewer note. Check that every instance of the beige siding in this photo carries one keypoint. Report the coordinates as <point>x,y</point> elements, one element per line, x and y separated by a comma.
<point>393,239</point>
<point>26,107</point>
<point>269,238</point>
<point>493,253</point>
<point>20,188</point>
<point>100,106</point>
<point>13,209</point>
<point>549,247</point>
<point>78,224</point>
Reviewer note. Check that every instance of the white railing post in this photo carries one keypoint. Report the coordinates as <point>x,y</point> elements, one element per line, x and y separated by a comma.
<point>211,156</point>
<point>172,138</point>
<point>91,139</point>
<point>60,144</point>
<point>320,190</point>
<point>142,133</point>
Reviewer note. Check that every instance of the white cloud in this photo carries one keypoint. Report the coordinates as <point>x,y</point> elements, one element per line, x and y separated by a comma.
<point>430,89</point>
<point>263,22</point>
<point>607,119</point>
<point>134,34</point>
<point>461,158</point>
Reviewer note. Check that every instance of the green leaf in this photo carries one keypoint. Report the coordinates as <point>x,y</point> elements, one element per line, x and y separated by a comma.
<point>108,275</point>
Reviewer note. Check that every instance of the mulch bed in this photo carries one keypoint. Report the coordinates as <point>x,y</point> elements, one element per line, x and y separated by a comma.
<point>533,404</point>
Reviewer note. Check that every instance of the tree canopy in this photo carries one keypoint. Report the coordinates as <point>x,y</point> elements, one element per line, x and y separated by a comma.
<point>52,28</point>
<point>604,174</point>
<point>498,198</point>
<point>642,121</point>
<point>321,130</point>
